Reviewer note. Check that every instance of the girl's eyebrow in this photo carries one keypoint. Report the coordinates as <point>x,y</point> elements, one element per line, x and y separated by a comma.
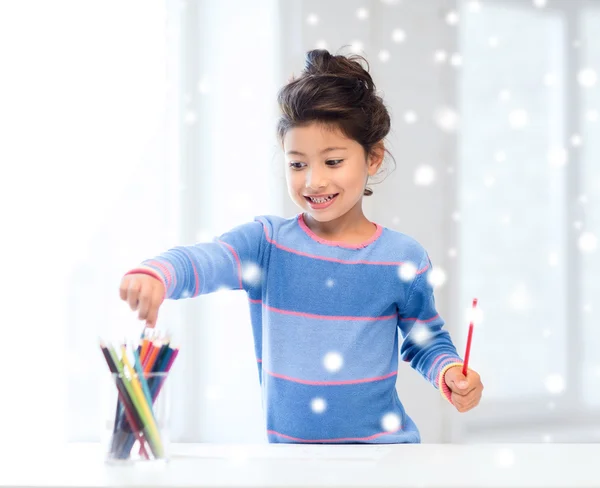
<point>298,153</point>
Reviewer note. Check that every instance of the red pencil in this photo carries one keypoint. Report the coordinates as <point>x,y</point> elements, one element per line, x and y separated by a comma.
<point>469,337</point>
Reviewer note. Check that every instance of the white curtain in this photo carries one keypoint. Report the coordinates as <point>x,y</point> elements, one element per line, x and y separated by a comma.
<point>127,128</point>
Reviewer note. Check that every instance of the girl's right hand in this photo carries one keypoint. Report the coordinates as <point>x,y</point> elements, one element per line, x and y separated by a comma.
<point>145,294</point>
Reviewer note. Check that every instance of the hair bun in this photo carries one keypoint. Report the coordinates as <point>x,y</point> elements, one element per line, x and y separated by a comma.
<point>317,61</point>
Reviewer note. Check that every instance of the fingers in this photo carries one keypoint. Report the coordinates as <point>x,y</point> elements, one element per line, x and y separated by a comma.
<point>123,287</point>
<point>473,382</point>
<point>152,315</point>
<point>143,294</point>
<point>133,293</point>
<point>467,402</point>
<point>464,392</point>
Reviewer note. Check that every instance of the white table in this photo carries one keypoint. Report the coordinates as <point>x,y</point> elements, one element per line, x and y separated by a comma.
<point>270,465</point>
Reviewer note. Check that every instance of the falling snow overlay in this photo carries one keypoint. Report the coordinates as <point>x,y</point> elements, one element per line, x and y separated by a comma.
<point>331,324</point>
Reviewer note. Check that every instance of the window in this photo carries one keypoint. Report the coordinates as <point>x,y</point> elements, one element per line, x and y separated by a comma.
<point>529,211</point>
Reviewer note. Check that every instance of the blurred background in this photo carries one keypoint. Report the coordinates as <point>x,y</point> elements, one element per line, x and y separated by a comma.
<point>128,127</point>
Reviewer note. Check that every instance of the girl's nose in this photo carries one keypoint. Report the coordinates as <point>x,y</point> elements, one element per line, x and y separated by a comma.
<point>315,179</point>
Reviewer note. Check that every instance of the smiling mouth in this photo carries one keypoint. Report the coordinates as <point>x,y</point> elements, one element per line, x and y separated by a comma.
<point>322,199</point>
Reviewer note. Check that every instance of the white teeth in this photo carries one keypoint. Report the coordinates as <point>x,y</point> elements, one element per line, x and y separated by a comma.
<point>321,200</point>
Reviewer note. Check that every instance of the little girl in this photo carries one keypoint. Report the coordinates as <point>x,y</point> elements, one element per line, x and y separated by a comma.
<point>328,289</point>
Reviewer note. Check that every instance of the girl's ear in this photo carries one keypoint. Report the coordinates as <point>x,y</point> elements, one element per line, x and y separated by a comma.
<point>375,158</point>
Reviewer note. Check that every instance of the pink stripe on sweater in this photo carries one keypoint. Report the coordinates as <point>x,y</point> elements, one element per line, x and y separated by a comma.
<point>335,260</point>
<point>237,259</point>
<point>322,317</point>
<point>331,383</point>
<point>312,235</point>
<point>442,365</point>
<point>341,439</point>
<point>196,278</point>
<point>415,319</point>
<point>164,270</point>
<point>436,361</point>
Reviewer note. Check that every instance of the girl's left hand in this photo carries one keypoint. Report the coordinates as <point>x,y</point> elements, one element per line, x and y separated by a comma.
<point>466,390</point>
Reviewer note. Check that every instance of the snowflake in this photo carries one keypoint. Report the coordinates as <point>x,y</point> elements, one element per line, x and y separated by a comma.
<point>190,117</point>
<point>390,422</point>
<point>436,277</point>
<point>333,361</point>
<point>558,156</point>
<point>398,35</point>
<point>424,175</point>
<point>410,117</point>
<point>440,56</point>
<point>251,273</point>
<point>447,119</point>
<point>592,115</point>
<point>203,86</point>
<point>474,315</point>
<point>520,298</point>
<point>500,156</point>
<point>318,405</point>
<point>474,6</point>
<point>555,383</point>
<point>587,242</point>
<point>362,13</point>
<point>407,271</point>
<point>204,235</point>
<point>576,140</point>
<point>587,78</point>
<point>312,19</point>
<point>504,95</point>
<point>489,181</point>
<point>384,55</point>
<point>356,46</point>
<point>518,118</point>
<point>456,60</point>
<point>452,18</point>
<point>420,335</point>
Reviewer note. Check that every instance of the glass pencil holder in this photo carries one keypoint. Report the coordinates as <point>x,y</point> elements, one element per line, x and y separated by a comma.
<point>137,418</point>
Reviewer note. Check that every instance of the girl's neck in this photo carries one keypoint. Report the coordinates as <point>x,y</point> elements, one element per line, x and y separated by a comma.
<point>351,227</point>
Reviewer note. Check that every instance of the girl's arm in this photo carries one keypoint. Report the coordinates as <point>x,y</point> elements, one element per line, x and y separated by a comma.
<point>427,346</point>
<point>232,261</point>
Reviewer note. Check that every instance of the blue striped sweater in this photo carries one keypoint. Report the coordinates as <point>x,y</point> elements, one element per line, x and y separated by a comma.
<point>325,319</point>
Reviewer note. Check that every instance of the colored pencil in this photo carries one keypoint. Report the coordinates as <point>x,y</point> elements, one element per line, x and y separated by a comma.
<point>469,338</point>
<point>130,414</point>
<point>139,377</point>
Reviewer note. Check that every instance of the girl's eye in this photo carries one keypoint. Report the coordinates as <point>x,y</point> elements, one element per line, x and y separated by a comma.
<point>296,165</point>
<point>334,162</point>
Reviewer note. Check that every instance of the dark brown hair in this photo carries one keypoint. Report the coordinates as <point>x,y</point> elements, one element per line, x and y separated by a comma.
<point>337,91</point>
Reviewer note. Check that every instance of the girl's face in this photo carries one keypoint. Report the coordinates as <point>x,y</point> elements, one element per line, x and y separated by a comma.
<point>326,172</point>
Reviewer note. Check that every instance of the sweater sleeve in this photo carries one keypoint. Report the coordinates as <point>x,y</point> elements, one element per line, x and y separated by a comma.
<point>426,345</point>
<point>231,261</point>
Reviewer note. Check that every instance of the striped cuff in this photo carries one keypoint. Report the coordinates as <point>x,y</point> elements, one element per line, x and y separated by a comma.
<point>150,272</point>
<point>444,389</point>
